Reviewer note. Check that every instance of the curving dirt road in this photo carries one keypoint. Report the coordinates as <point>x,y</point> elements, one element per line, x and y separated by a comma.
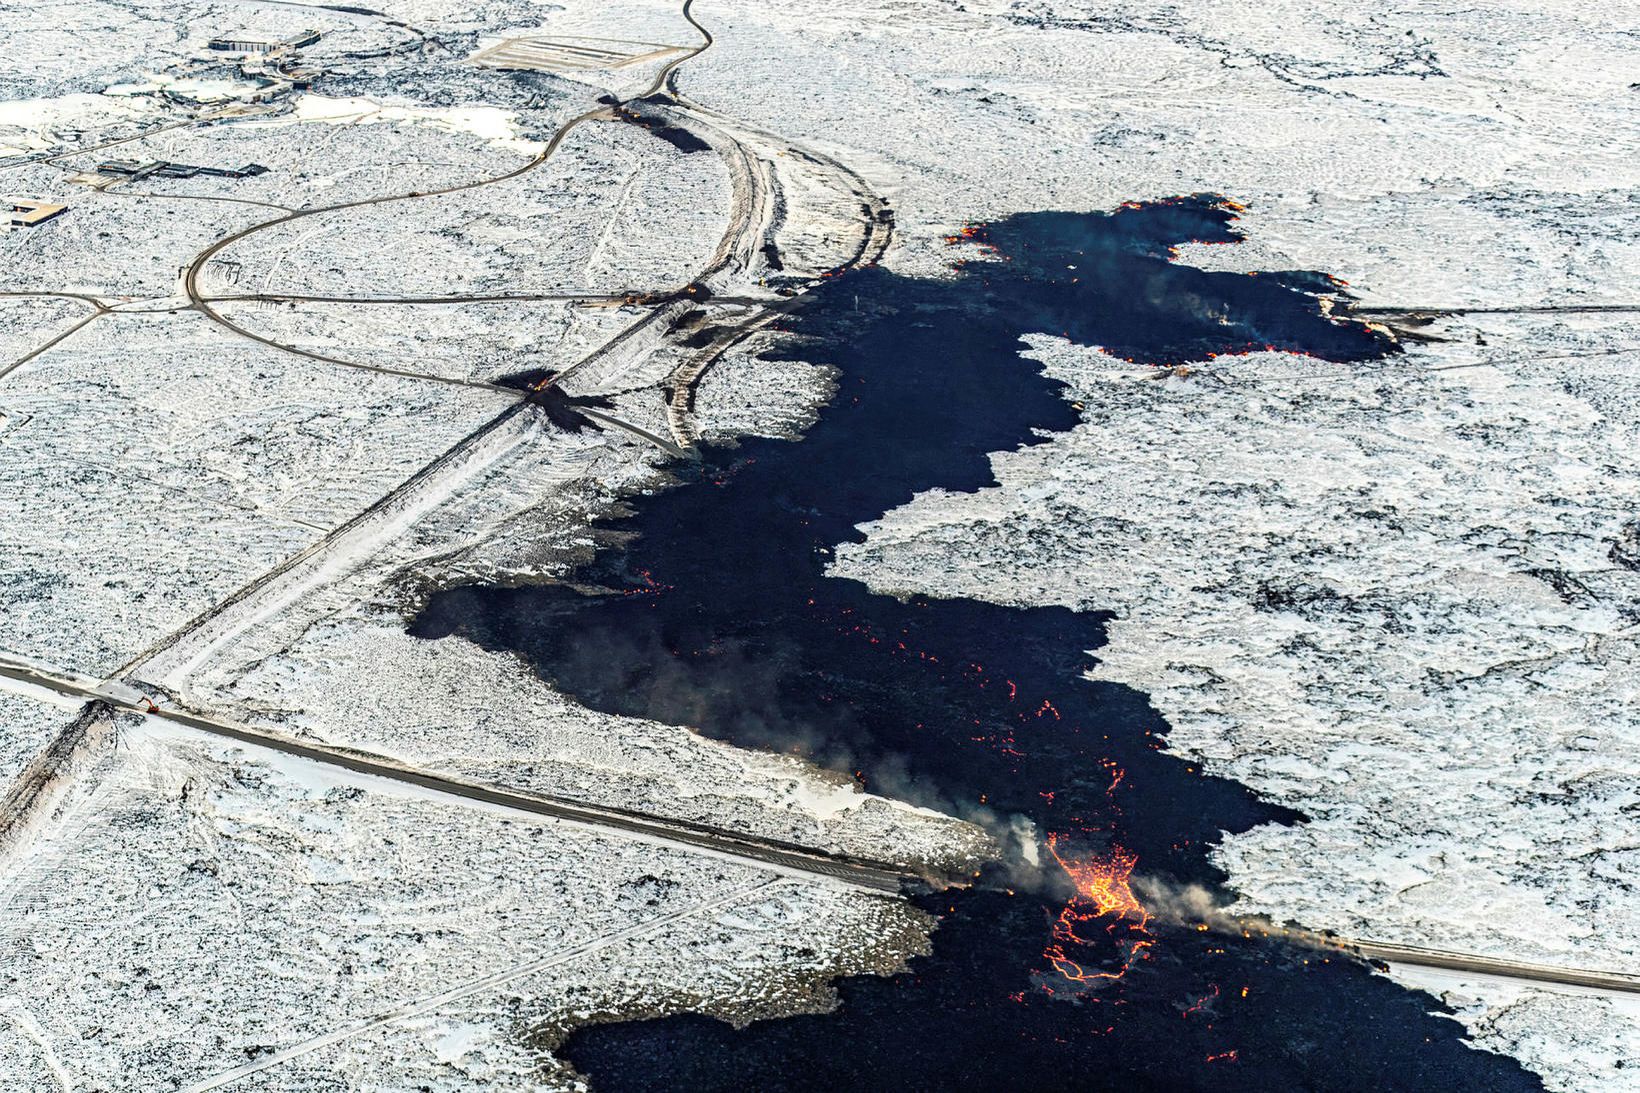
<point>175,657</point>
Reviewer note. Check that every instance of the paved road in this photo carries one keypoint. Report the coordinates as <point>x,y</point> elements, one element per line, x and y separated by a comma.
<point>190,278</point>
<point>121,191</point>
<point>203,303</point>
<point>1539,309</point>
<point>638,431</point>
<point>766,853</point>
<point>495,298</point>
<point>877,876</point>
<point>1390,953</point>
<point>53,157</point>
<point>876,220</point>
<point>1423,956</point>
<point>100,309</point>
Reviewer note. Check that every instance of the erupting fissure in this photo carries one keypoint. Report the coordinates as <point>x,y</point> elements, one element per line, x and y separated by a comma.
<point>972,708</point>
<point>1102,893</point>
<point>1100,881</point>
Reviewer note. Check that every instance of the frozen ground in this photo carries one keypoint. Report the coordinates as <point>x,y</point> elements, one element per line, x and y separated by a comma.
<point>1399,611</point>
<point>615,211</point>
<point>201,909</point>
<point>1548,1031</point>
<point>1455,155</point>
<point>28,322</point>
<point>747,395</point>
<point>482,341</point>
<point>163,465</point>
<point>1399,598</point>
<point>435,704</point>
<point>258,520</point>
<point>30,724</point>
<point>229,500</point>
<point>1380,582</point>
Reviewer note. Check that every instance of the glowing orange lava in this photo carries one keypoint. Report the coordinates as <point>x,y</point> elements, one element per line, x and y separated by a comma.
<point>1102,893</point>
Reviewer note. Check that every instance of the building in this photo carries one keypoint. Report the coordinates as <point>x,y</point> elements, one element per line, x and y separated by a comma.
<point>237,43</point>
<point>241,45</point>
<point>247,171</point>
<point>26,214</point>
<point>133,169</point>
<point>128,168</point>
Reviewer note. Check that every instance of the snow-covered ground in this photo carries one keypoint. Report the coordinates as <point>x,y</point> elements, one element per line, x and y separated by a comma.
<point>614,211</point>
<point>30,724</point>
<point>1407,610</point>
<point>165,464</point>
<point>29,321</point>
<point>245,511</point>
<point>451,706</point>
<point>1391,597</point>
<point>198,909</point>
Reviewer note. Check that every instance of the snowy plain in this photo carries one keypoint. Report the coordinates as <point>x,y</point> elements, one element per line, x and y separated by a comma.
<point>231,502</point>
<point>1478,790</point>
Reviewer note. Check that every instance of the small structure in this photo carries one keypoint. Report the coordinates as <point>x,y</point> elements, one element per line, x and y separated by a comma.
<point>26,214</point>
<point>241,45</point>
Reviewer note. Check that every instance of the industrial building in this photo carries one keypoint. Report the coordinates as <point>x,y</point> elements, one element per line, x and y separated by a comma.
<point>134,169</point>
<point>240,44</point>
<point>26,214</point>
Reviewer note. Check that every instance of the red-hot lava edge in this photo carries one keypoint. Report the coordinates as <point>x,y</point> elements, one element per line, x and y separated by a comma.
<point>1103,913</point>
<point>1102,892</point>
<point>971,234</point>
<point>1100,880</point>
<point>1078,961</point>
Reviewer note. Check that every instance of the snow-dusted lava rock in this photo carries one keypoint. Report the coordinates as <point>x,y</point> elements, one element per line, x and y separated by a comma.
<point>1394,596</point>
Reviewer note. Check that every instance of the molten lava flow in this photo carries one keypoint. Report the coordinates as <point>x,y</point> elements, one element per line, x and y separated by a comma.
<point>1101,884</point>
<point>1102,892</point>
